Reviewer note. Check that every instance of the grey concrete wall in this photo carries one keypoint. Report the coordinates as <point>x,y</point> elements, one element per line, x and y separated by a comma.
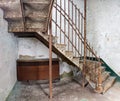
<point>8,56</point>
<point>103,19</point>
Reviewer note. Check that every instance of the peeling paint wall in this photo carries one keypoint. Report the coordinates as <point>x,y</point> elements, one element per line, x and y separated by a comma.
<point>8,56</point>
<point>103,19</point>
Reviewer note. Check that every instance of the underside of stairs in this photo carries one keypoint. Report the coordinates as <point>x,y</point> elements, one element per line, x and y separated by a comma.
<point>30,18</point>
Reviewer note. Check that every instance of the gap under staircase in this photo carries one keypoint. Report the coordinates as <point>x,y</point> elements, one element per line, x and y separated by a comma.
<point>63,23</point>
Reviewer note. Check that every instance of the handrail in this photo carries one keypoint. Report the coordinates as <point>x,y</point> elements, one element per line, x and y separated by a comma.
<point>49,14</point>
<point>70,28</point>
<point>61,9</point>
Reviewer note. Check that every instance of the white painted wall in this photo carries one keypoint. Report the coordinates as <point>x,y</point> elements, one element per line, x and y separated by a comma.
<point>103,19</point>
<point>33,47</point>
<point>8,56</point>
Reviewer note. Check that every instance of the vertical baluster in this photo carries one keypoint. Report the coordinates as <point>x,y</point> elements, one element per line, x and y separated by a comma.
<point>50,58</point>
<point>68,23</point>
<point>60,22</point>
<point>99,87</point>
<point>89,51</point>
<point>64,21</point>
<point>82,26</point>
<point>81,49</point>
<point>56,19</point>
<point>75,25</point>
<point>92,54</point>
<point>78,28</point>
<point>96,68</point>
<point>72,25</point>
<point>86,49</point>
<point>78,47</point>
<point>79,19</point>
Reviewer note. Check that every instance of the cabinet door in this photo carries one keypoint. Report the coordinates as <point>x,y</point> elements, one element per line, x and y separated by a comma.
<point>27,73</point>
<point>43,72</point>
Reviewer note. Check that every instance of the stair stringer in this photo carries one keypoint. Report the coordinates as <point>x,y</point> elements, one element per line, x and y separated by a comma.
<point>40,37</point>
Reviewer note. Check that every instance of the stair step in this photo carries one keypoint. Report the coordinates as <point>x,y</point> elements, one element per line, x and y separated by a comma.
<point>93,70</point>
<point>29,12</point>
<point>37,1</point>
<point>90,63</point>
<point>69,54</point>
<point>13,17</point>
<point>108,83</point>
<point>81,66</point>
<point>35,25</point>
<point>94,76</point>
<point>9,5</point>
<point>102,68</point>
<point>76,60</point>
<point>105,75</point>
<point>61,47</point>
<point>79,79</point>
<point>15,24</point>
<point>21,29</point>
<point>54,38</point>
<point>36,15</point>
<point>37,4</point>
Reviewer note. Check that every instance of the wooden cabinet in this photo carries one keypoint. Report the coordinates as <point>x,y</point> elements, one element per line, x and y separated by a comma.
<point>36,69</point>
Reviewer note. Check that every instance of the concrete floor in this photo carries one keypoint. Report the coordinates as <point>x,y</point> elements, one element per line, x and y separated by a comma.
<point>62,91</point>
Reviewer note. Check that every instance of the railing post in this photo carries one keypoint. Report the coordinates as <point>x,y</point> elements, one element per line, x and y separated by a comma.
<point>99,87</point>
<point>23,15</point>
<point>50,58</point>
<point>84,63</point>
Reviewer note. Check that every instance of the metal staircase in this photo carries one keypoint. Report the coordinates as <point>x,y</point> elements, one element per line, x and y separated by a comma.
<point>64,33</point>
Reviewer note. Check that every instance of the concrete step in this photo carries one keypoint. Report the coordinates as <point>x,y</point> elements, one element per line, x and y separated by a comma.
<point>76,60</point>
<point>36,16</point>
<point>35,25</point>
<point>81,66</point>
<point>37,4</point>
<point>90,63</point>
<point>10,5</point>
<point>93,71</point>
<point>15,26</point>
<point>54,38</point>
<point>79,79</point>
<point>18,26</point>
<point>108,83</point>
<point>61,47</point>
<point>69,54</point>
<point>104,75</point>
<point>13,16</point>
<point>37,1</point>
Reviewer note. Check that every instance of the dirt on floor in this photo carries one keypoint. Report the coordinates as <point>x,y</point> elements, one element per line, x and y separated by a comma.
<point>62,91</point>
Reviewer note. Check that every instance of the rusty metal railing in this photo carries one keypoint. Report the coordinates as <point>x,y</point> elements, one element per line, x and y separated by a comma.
<point>69,25</point>
<point>49,31</point>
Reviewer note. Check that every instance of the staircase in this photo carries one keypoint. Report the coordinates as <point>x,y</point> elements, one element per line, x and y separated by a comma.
<point>31,18</point>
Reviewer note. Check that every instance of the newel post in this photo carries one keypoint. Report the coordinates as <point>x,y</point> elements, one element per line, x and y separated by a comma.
<point>85,46</point>
<point>50,58</point>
